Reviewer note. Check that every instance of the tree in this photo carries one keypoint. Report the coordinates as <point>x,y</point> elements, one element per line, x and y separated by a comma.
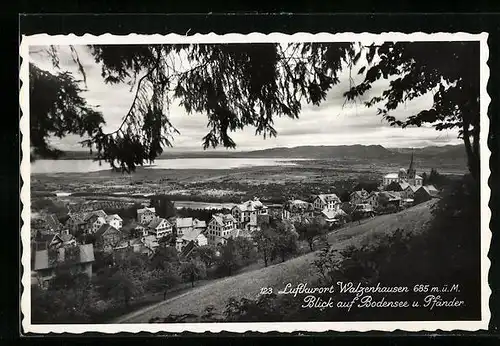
<point>246,250</point>
<point>425,179</point>
<point>163,205</point>
<point>163,257</point>
<point>206,254</point>
<point>229,259</point>
<point>264,238</point>
<point>285,241</point>
<point>164,278</point>
<point>193,270</point>
<point>241,85</point>
<point>57,109</point>
<point>450,70</point>
<point>235,85</point>
<point>126,280</point>
<point>311,231</point>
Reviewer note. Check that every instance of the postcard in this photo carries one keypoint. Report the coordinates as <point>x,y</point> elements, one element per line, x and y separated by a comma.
<point>305,182</point>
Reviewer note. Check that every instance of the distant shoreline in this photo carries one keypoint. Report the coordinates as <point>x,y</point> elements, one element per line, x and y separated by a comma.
<point>300,152</point>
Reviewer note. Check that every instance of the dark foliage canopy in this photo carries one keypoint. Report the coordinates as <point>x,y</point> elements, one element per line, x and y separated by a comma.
<point>249,85</point>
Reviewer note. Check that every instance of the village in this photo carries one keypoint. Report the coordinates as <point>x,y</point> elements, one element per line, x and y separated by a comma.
<point>86,234</point>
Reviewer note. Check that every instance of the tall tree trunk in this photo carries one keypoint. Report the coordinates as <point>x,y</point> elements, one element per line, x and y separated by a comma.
<point>472,149</point>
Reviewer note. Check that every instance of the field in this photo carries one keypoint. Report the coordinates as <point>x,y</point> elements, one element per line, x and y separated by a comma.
<point>297,270</point>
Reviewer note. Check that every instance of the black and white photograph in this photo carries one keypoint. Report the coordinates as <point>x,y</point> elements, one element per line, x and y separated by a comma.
<point>255,182</point>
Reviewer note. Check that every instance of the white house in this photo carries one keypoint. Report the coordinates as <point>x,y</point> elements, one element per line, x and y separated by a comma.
<point>146,215</point>
<point>115,220</point>
<point>327,201</point>
<point>246,214</point>
<point>219,228</point>
<point>160,227</point>
<point>332,217</point>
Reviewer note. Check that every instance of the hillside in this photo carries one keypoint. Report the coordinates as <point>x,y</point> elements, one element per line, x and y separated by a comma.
<point>296,270</point>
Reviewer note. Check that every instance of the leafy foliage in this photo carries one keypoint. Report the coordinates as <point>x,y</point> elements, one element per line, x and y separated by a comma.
<point>164,207</point>
<point>285,241</point>
<point>448,69</point>
<point>234,85</point>
<point>249,85</point>
<point>206,253</point>
<point>310,231</point>
<point>58,109</point>
<point>193,270</point>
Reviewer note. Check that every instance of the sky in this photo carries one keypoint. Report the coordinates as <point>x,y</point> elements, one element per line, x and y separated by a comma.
<point>331,123</point>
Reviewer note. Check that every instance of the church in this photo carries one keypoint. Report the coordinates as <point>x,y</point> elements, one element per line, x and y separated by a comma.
<point>404,176</point>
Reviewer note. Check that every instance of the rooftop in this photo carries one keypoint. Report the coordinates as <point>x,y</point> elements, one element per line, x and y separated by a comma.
<point>251,205</point>
<point>222,219</point>
<point>325,198</point>
<point>42,261</point>
<point>147,209</point>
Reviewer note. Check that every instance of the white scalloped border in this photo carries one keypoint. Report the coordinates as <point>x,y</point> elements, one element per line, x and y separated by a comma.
<point>286,327</point>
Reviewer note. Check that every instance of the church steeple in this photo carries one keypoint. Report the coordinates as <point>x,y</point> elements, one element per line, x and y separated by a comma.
<point>411,169</point>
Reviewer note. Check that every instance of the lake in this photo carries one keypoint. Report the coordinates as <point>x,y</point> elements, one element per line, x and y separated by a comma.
<point>83,166</point>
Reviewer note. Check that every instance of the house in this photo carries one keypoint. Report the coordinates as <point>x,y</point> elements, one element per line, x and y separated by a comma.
<point>297,209</point>
<point>86,222</point>
<point>246,213</point>
<point>134,245</point>
<point>389,198</point>
<point>363,210</point>
<point>219,228</point>
<point>373,199</point>
<point>327,201</point>
<point>67,239</point>
<point>397,186</point>
<point>358,197</point>
<point>425,193</point>
<point>146,215</point>
<point>47,241</point>
<point>333,217</point>
<point>237,233</point>
<point>76,223</point>
<point>94,222</point>
<point>107,238</point>
<point>115,220</point>
<point>188,249</point>
<point>275,210</point>
<point>409,192</point>
<point>150,242</point>
<point>195,235</point>
<point>160,227</point>
<point>77,259</point>
<point>391,178</point>
<point>188,224</point>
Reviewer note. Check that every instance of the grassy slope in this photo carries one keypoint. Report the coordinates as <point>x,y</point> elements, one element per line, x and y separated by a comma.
<point>296,270</point>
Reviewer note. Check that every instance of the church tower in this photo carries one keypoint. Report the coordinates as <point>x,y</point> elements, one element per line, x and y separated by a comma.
<point>411,170</point>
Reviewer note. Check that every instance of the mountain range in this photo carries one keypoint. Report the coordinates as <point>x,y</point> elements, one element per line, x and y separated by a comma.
<point>447,152</point>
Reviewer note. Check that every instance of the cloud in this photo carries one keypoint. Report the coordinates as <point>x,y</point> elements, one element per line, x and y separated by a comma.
<point>334,122</point>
